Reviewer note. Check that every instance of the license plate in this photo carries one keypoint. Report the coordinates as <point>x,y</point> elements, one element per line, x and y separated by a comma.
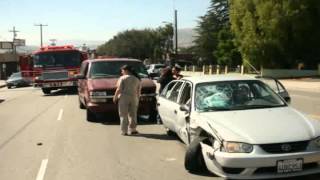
<point>46,85</point>
<point>290,165</point>
<point>67,83</point>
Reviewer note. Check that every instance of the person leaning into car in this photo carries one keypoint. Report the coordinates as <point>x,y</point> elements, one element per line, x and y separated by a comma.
<point>127,96</point>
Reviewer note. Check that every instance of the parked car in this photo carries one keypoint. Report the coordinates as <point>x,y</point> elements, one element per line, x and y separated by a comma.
<point>16,80</point>
<point>154,70</point>
<point>239,128</point>
<point>97,85</point>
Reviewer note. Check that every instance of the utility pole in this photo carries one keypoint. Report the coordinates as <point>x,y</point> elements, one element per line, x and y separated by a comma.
<point>41,25</point>
<point>14,31</point>
<point>175,34</point>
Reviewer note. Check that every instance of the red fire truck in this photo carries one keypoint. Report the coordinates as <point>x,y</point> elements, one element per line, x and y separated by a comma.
<point>53,67</point>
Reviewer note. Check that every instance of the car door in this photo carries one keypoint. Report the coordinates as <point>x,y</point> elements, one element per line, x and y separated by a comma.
<point>277,87</point>
<point>167,104</point>
<point>181,125</point>
<point>82,83</point>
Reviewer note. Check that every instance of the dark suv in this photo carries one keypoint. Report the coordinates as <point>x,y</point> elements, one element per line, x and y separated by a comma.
<point>97,84</point>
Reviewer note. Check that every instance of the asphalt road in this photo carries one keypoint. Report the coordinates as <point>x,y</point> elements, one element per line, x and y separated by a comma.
<point>48,137</point>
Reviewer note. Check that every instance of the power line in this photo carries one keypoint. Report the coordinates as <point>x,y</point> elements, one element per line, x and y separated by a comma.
<point>41,25</point>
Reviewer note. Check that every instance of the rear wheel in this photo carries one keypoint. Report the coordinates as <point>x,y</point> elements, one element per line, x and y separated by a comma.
<point>46,91</point>
<point>9,87</point>
<point>194,161</point>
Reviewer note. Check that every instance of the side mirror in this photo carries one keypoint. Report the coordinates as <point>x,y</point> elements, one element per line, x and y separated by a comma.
<point>287,99</point>
<point>80,76</point>
<point>185,108</point>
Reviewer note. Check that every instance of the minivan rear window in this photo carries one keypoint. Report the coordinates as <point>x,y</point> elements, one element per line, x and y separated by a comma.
<point>105,69</point>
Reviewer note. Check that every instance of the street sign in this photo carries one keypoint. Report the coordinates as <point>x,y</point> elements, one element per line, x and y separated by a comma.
<point>19,42</point>
<point>6,45</point>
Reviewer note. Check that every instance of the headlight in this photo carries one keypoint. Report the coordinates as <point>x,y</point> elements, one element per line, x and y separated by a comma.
<point>98,93</point>
<point>72,73</point>
<point>236,147</point>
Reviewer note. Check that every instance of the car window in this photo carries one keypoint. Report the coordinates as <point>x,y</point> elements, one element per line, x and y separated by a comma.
<point>174,92</point>
<point>159,66</point>
<point>186,94</point>
<point>168,88</point>
<point>103,69</point>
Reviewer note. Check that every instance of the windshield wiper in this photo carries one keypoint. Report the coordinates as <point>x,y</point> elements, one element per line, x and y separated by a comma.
<point>258,106</point>
<point>104,76</point>
<point>216,109</point>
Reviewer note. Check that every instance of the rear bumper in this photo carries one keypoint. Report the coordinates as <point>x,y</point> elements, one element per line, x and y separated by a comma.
<point>56,84</point>
<point>146,105</point>
<point>18,83</point>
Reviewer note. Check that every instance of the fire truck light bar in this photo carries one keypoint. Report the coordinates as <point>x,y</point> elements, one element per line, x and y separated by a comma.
<point>56,47</point>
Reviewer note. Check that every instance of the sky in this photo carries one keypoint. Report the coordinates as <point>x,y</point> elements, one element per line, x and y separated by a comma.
<point>92,20</point>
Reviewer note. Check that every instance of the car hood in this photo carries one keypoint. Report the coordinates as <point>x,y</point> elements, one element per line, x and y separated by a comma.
<point>262,126</point>
<point>14,80</point>
<point>111,83</point>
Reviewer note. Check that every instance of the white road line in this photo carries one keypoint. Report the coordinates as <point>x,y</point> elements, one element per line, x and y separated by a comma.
<point>60,115</point>
<point>42,169</point>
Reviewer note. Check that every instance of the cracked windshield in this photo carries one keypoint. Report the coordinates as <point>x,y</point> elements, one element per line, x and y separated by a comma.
<point>170,89</point>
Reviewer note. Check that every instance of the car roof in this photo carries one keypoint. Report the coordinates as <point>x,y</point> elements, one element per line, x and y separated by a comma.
<point>113,59</point>
<point>216,78</point>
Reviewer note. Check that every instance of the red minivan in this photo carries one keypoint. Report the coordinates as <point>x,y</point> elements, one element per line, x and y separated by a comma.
<point>97,84</point>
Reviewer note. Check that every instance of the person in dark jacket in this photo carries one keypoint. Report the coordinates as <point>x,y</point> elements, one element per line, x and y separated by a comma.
<point>165,77</point>
<point>176,72</point>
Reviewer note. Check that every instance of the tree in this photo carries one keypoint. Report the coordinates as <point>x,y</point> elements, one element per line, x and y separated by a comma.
<point>277,34</point>
<point>139,44</point>
<point>214,43</point>
<point>227,53</point>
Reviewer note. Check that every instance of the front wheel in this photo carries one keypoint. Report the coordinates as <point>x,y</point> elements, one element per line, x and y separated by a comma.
<point>91,117</point>
<point>153,116</point>
<point>81,105</point>
<point>193,160</point>
<point>169,132</point>
<point>46,91</point>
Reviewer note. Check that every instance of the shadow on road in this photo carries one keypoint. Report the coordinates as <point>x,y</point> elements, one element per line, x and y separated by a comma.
<point>156,136</point>
<point>62,92</point>
<point>307,177</point>
<point>113,119</point>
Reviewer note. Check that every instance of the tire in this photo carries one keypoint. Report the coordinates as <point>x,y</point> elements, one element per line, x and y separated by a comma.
<point>46,91</point>
<point>9,87</point>
<point>91,117</point>
<point>153,116</point>
<point>81,105</point>
<point>193,160</point>
<point>169,132</point>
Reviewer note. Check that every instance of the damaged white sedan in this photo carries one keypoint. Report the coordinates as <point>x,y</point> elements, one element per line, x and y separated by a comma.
<point>238,127</point>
